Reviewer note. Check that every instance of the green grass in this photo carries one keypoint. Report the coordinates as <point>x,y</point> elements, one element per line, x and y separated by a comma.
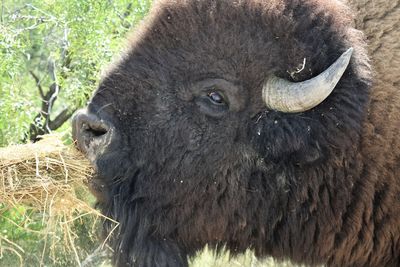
<point>207,258</point>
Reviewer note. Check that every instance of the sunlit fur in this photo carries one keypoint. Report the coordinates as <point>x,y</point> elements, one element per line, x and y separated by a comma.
<point>319,187</point>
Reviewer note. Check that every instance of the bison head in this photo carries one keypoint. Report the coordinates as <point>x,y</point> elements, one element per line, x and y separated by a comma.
<point>219,124</point>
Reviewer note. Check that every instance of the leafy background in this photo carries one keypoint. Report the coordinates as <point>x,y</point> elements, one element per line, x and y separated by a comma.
<point>55,48</point>
<point>51,56</point>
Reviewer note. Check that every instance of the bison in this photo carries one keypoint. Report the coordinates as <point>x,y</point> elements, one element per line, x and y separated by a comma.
<point>246,124</point>
<point>380,22</point>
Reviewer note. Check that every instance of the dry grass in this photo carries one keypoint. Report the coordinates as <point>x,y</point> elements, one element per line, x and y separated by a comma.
<point>43,175</point>
<point>48,177</point>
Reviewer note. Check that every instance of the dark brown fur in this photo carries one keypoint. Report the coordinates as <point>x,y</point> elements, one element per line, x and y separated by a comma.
<point>319,187</point>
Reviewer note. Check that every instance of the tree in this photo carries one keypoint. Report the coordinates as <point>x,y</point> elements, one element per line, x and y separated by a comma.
<point>50,56</point>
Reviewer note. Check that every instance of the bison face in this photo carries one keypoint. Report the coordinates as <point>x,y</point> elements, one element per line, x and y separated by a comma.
<point>172,137</point>
<point>191,133</point>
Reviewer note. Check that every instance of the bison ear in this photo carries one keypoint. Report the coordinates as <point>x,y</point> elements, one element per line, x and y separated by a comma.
<point>290,97</point>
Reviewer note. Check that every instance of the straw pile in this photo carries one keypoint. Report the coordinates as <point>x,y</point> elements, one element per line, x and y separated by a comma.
<point>49,178</point>
<point>44,175</point>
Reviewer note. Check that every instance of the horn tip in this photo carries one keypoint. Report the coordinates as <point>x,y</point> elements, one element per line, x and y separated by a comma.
<point>346,56</point>
<point>349,51</point>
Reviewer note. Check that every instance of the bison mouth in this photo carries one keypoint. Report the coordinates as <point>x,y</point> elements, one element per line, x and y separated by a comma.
<point>98,188</point>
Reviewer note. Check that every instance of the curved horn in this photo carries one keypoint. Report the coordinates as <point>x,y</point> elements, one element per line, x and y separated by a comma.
<point>290,97</point>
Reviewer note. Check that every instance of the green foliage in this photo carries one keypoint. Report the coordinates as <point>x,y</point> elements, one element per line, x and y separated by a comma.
<point>26,233</point>
<point>58,42</point>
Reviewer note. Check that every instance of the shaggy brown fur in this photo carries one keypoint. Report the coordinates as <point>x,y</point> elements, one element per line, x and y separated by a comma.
<point>318,187</point>
<point>380,22</point>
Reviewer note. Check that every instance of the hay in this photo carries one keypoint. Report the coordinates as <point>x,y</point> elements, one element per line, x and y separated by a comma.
<point>49,178</point>
<point>43,175</point>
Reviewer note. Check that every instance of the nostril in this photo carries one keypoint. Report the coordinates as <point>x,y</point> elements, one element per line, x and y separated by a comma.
<point>90,132</point>
<point>93,133</point>
<point>98,133</point>
<point>95,130</point>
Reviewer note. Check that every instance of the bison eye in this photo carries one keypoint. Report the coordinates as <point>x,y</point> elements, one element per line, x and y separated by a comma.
<point>216,98</point>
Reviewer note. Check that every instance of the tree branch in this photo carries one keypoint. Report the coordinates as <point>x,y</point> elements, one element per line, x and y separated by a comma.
<point>55,90</point>
<point>42,123</point>
<point>37,80</point>
<point>61,118</point>
<point>38,127</point>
